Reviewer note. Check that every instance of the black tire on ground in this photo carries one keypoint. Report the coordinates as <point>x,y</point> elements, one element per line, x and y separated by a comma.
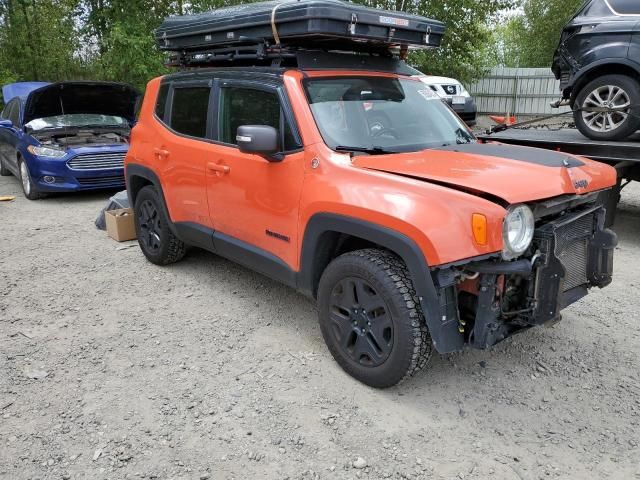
<point>156,240</point>
<point>371,319</point>
<point>608,84</point>
<point>28,188</point>
<point>4,171</point>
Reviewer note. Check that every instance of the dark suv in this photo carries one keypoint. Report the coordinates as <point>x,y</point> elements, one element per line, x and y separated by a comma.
<point>598,65</point>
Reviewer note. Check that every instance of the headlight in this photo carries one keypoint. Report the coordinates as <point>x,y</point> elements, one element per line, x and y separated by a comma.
<point>46,152</point>
<point>517,231</point>
<point>463,91</point>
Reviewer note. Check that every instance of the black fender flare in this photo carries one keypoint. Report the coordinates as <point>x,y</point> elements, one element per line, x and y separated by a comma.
<point>579,78</point>
<point>135,170</point>
<point>445,336</point>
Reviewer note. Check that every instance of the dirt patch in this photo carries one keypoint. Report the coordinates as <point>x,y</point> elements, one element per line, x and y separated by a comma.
<point>111,367</point>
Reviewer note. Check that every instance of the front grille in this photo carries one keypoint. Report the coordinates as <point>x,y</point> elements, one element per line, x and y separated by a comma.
<point>97,161</point>
<point>450,89</point>
<point>101,181</point>
<point>572,249</point>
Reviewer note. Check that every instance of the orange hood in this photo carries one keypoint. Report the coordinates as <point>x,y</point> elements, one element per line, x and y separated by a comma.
<point>514,174</point>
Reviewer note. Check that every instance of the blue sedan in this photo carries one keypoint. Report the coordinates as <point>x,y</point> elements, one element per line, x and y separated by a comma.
<point>66,136</point>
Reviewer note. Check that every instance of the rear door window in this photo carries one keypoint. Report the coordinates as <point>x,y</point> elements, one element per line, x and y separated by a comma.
<point>247,106</point>
<point>189,110</point>
<point>625,7</point>
<point>161,101</point>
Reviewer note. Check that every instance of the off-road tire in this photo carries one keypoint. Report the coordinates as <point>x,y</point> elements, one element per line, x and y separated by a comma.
<point>632,123</point>
<point>4,171</point>
<point>29,192</point>
<point>171,249</point>
<point>389,277</point>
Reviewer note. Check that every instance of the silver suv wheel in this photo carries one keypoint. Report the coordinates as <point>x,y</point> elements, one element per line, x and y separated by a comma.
<point>609,97</point>
<point>617,99</point>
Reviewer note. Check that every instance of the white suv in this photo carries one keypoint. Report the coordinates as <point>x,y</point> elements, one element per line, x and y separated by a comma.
<point>455,94</point>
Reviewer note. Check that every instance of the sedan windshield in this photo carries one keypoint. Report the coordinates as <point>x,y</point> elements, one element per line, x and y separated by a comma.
<point>79,120</point>
<point>378,115</point>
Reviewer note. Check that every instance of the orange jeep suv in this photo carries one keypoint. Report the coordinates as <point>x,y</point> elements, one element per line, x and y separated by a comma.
<point>354,183</point>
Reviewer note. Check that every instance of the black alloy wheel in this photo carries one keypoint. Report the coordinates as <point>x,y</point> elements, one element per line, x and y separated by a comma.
<point>371,319</point>
<point>155,237</point>
<point>149,222</point>
<point>360,322</point>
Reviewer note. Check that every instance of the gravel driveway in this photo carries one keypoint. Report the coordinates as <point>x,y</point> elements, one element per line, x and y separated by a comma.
<point>111,368</point>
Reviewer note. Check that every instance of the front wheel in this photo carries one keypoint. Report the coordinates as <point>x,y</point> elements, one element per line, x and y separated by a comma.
<point>608,108</point>
<point>27,184</point>
<point>371,319</point>
<point>156,240</point>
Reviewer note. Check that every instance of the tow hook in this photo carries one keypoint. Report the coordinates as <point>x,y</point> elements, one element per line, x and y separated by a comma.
<point>563,102</point>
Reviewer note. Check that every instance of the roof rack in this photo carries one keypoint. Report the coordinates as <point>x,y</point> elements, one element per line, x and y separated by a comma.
<point>264,55</point>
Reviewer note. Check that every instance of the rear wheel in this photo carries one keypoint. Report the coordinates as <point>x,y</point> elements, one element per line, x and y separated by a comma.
<point>157,241</point>
<point>27,184</point>
<point>619,94</point>
<point>370,318</point>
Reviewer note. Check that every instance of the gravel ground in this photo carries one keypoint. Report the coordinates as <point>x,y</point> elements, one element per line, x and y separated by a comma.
<point>207,370</point>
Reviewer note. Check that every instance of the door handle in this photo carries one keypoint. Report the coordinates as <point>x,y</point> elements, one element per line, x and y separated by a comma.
<point>217,168</point>
<point>161,153</point>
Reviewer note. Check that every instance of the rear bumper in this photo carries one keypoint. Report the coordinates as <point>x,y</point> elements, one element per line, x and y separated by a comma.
<point>572,254</point>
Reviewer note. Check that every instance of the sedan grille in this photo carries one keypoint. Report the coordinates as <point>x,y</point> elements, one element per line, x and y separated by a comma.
<point>101,181</point>
<point>97,161</point>
<point>450,89</point>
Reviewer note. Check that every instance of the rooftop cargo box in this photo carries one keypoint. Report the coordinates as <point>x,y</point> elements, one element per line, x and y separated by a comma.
<point>329,24</point>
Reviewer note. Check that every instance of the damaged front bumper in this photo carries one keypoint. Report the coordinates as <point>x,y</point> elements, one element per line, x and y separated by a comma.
<point>493,299</point>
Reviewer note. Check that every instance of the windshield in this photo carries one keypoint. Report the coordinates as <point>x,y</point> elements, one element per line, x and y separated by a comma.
<point>77,120</point>
<point>382,115</point>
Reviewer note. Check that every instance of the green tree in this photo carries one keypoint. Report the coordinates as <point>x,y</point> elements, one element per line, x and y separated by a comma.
<point>38,40</point>
<point>467,49</point>
<point>529,38</point>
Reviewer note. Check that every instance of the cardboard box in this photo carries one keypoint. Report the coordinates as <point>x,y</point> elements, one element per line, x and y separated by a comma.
<point>120,224</point>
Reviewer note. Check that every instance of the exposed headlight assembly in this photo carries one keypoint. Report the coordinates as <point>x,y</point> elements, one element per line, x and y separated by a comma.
<point>46,152</point>
<point>517,231</point>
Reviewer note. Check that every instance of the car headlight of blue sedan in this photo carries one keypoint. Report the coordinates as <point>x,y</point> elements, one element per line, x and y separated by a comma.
<point>46,152</point>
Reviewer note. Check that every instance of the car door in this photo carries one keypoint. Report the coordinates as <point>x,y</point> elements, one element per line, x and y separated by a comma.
<point>182,149</point>
<point>9,136</point>
<point>253,202</point>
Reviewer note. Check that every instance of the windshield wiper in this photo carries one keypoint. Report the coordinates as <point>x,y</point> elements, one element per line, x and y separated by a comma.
<point>375,150</point>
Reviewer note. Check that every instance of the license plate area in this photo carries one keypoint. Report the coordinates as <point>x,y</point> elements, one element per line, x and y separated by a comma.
<point>457,100</point>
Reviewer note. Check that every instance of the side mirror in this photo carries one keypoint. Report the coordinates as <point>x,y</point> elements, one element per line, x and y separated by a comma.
<point>6,123</point>
<point>258,139</point>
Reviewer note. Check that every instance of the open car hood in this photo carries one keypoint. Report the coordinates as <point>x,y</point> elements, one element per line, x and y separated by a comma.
<point>100,98</point>
<point>20,89</point>
<point>510,173</point>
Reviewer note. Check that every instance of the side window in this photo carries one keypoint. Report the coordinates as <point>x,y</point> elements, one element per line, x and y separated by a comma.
<point>246,106</point>
<point>189,110</point>
<point>625,7</point>
<point>161,101</point>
